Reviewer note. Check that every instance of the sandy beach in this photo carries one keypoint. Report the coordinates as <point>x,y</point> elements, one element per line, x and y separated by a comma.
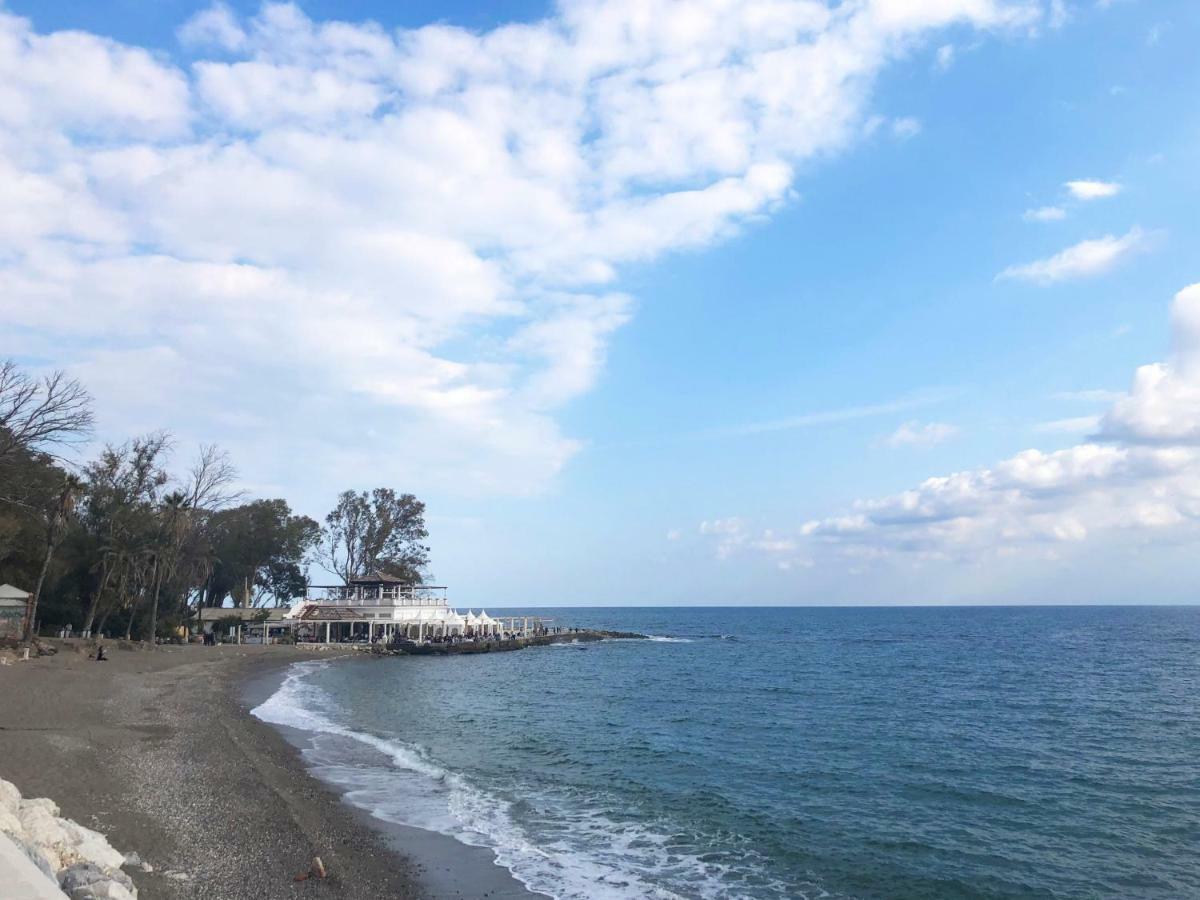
<point>157,750</point>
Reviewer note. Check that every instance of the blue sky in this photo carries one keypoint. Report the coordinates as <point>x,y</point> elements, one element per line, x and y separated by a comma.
<point>834,300</point>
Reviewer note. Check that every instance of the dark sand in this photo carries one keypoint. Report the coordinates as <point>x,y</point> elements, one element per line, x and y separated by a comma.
<point>156,749</point>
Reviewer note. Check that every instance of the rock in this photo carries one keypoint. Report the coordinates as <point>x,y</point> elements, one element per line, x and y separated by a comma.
<point>40,858</point>
<point>44,802</point>
<point>85,845</point>
<point>10,824</point>
<point>41,827</point>
<point>133,860</point>
<point>10,797</point>
<point>88,881</point>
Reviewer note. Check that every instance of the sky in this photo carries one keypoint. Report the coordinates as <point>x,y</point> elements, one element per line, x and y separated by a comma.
<point>758,302</point>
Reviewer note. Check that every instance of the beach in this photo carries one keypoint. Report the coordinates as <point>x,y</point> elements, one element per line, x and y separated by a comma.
<point>157,750</point>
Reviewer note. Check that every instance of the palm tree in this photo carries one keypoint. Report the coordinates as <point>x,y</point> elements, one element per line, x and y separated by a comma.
<point>175,527</point>
<point>56,527</point>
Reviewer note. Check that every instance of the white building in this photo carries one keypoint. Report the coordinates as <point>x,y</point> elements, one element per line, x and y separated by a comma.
<point>379,607</point>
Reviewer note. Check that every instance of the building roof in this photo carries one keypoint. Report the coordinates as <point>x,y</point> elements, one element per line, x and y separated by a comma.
<point>11,595</point>
<point>245,613</point>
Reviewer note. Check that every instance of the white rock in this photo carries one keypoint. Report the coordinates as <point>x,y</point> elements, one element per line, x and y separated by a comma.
<point>41,827</point>
<point>10,797</point>
<point>9,823</point>
<point>85,845</point>
<point>39,856</point>
<point>43,802</point>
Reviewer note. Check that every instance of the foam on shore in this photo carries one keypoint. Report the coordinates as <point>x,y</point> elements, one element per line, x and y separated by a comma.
<point>590,854</point>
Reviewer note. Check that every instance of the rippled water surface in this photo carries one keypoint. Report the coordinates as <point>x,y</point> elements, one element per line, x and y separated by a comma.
<point>772,753</point>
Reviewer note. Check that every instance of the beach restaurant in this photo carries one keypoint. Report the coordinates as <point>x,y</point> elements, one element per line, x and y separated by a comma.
<point>379,607</point>
<point>371,608</point>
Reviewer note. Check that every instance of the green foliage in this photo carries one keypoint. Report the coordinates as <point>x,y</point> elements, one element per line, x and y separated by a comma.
<point>128,547</point>
<point>378,532</point>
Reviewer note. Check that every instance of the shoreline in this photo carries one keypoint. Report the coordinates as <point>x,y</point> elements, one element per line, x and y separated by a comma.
<point>443,866</point>
<point>158,751</point>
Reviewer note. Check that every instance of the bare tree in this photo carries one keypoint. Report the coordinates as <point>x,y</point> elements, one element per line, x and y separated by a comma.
<point>210,482</point>
<point>39,414</point>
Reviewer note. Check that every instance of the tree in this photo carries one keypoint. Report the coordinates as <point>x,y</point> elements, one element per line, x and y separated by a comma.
<point>56,525</point>
<point>380,531</point>
<point>119,511</point>
<point>37,414</point>
<point>260,549</point>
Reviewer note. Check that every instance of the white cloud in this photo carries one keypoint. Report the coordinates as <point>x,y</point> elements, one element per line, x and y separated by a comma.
<point>1082,260</point>
<point>914,434</point>
<point>1091,395</point>
<point>317,233</point>
<point>945,57</point>
<point>1087,189</point>
<point>1163,405</point>
<point>1044,214</point>
<point>730,535</point>
<point>906,127</point>
<point>216,26</point>
<point>1136,482</point>
<point>833,416</point>
<point>1073,425</point>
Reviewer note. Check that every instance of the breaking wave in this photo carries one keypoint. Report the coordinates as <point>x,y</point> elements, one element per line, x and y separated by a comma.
<point>587,850</point>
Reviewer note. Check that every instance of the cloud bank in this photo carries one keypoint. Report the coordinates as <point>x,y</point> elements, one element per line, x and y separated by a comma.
<point>1137,479</point>
<point>353,252</point>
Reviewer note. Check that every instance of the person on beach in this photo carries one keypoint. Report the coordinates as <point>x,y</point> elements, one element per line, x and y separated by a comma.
<point>100,657</point>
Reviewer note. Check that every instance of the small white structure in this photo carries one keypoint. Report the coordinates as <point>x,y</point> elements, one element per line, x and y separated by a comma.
<point>14,603</point>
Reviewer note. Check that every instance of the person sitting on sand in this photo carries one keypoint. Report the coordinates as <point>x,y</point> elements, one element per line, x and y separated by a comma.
<point>100,657</point>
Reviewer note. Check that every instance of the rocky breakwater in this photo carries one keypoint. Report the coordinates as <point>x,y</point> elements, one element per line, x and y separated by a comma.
<point>77,860</point>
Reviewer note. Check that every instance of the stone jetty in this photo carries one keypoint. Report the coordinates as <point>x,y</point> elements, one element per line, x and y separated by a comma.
<point>495,645</point>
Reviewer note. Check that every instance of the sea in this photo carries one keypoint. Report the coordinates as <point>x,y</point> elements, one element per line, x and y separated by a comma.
<point>1017,752</point>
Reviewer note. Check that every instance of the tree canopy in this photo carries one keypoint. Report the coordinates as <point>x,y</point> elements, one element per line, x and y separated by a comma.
<point>128,544</point>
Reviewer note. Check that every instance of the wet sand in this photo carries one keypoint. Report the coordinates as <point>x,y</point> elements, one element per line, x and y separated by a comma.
<point>157,750</point>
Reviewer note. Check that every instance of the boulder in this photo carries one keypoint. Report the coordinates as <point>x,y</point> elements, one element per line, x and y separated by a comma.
<point>85,845</point>
<point>39,856</point>
<point>10,824</point>
<point>43,802</point>
<point>88,881</point>
<point>41,826</point>
<point>10,797</point>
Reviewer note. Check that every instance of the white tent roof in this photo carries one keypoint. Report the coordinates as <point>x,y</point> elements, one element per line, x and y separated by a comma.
<point>11,595</point>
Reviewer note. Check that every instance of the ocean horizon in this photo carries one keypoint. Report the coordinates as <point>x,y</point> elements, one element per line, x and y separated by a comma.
<point>790,752</point>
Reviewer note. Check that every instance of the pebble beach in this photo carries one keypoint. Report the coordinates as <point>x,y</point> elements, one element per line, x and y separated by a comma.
<point>152,757</point>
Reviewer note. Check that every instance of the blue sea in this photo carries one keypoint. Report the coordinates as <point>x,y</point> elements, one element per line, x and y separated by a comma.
<point>792,753</point>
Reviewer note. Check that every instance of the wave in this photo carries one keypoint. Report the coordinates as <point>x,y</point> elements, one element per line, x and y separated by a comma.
<point>586,850</point>
<point>667,640</point>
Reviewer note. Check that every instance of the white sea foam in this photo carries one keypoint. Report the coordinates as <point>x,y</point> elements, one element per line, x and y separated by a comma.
<point>667,640</point>
<point>584,853</point>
